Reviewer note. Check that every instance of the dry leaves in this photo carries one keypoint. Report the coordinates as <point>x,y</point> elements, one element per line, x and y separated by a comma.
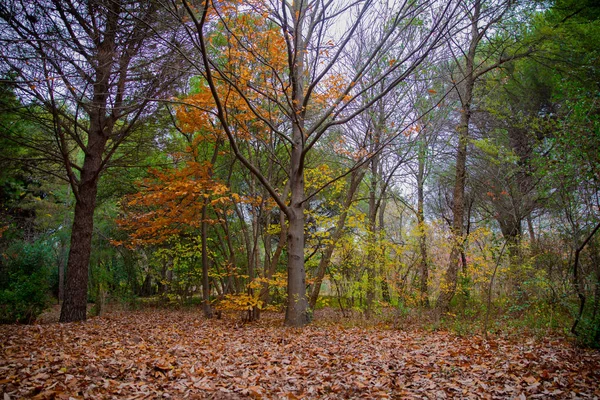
<point>169,354</point>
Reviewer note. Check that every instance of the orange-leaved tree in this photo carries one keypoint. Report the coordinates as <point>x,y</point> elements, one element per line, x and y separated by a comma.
<point>174,203</point>
<point>298,86</point>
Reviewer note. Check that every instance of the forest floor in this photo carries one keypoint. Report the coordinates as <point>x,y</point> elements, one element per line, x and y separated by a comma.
<point>179,354</point>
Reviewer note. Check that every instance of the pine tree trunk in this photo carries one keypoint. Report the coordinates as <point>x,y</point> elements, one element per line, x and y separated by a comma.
<point>458,201</point>
<point>76,284</point>
<point>458,210</point>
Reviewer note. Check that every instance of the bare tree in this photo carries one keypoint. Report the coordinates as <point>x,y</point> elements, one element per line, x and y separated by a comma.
<point>310,88</point>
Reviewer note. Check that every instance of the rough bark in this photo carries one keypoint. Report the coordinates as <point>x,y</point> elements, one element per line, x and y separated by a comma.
<point>76,283</point>
<point>458,199</point>
<point>297,304</point>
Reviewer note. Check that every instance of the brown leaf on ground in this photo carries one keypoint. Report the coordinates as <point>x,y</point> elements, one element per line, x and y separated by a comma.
<point>152,354</point>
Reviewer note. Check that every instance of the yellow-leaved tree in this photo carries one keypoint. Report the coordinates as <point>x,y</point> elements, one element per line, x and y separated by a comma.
<point>278,76</point>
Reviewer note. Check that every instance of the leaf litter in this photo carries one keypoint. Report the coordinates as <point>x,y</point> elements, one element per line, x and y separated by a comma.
<point>178,354</point>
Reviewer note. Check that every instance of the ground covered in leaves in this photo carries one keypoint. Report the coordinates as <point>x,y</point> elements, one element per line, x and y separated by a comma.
<point>178,354</point>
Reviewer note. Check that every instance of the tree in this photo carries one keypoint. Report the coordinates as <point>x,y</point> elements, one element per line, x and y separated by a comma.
<point>427,130</point>
<point>92,69</point>
<point>304,83</point>
<point>475,56</point>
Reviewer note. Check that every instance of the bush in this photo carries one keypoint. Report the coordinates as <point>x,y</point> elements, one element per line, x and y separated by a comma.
<point>24,285</point>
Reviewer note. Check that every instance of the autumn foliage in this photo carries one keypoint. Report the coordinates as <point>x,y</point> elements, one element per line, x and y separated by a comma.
<point>170,203</point>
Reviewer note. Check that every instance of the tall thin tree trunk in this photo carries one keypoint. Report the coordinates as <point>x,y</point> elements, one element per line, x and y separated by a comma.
<point>371,253</point>
<point>423,267</point>
<point>271,268</point>
<point>206,308</point>
<point>372,230</point>
<point>355,180</point>
<point>451,276</point>
<point>385,288</point>
<point>458,207</point>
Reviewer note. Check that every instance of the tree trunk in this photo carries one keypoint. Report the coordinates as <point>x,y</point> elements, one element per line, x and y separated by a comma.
<point>206,308</point>
<point>385,288</point>
<point>458,209</point>
<point>85,190</point>
<point>76,285</point>
<point>147,286</point>
<point>578,280</point>
<point>254,313</point>
<point>372,241</point>
<point>373,235</point>
<point>423,269</point>
<point>75,295</point>
<point>458,206</point>
<point>297,304</point>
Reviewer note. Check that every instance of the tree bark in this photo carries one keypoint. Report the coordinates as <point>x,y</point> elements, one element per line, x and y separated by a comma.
<point>206,308</point>
<point>297,304</point>
<point>578,280</point>
<point>423,268</point>
<point>372,237</point>
<point>75,296</point>
<point>458,206</point>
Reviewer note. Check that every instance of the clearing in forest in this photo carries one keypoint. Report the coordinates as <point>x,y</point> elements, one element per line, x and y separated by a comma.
<point>178,354</point>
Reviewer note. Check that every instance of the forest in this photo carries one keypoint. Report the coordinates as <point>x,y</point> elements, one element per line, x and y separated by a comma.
<point>328,165</point>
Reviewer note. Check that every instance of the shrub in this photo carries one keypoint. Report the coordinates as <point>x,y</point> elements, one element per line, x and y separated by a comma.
<point>24,285</point>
